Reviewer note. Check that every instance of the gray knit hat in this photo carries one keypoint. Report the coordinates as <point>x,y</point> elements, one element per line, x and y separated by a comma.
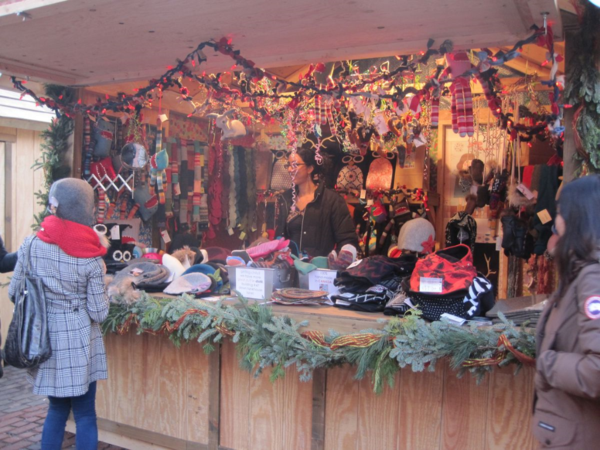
<point>414,233</point>
<point>74,200</point>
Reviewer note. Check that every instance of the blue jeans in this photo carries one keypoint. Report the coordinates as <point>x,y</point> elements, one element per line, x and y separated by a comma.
<point>84,410</point>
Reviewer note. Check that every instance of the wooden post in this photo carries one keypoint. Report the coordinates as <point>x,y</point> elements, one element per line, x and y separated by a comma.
<point>571,26</point>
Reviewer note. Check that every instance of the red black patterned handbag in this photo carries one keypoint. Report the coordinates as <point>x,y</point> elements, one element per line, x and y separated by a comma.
<point>444,271</point>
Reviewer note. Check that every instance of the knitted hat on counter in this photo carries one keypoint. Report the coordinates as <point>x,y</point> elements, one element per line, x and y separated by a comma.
<point>74,200</point>
<point>417,235</point>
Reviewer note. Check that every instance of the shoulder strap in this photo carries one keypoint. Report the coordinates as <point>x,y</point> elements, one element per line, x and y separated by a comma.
<point>28,257</point>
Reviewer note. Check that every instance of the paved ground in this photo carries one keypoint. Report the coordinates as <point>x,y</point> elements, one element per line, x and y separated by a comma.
<point>22,415</point>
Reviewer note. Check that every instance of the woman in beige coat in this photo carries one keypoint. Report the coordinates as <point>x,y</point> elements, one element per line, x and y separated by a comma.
<point>567,382</point>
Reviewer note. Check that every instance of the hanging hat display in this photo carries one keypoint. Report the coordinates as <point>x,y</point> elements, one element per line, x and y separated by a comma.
<point>351,177</point>
<point>103,135</point>
<point>133,156</point>
<point>280,177</point>
<point>381,172</point>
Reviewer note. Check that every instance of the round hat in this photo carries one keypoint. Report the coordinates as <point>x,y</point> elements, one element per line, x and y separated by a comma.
<point>74,200</point>
<point>417,235</point>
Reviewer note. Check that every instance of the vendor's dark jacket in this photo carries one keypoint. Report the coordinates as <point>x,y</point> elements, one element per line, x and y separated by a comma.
<point>567,382</point>
<point>7,260</point>
<point>326,225</point>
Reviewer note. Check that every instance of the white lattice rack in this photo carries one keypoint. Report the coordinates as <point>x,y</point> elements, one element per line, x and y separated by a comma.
<point>118,183</point>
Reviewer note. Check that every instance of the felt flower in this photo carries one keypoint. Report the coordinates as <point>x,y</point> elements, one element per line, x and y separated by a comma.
<point>428,245</point>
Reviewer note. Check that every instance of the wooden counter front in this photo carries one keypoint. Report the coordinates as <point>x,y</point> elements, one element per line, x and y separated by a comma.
<point>159,396</point>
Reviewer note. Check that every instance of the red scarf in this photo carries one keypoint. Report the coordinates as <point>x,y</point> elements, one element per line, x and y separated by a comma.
<point>73,238</point>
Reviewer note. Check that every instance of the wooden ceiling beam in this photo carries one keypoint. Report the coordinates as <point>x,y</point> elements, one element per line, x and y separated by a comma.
<point>33,73</point>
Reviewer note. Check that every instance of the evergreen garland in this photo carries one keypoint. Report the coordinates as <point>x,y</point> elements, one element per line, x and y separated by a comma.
<point>54,149</point>
<point>582,89</point>
<point>264,339</point>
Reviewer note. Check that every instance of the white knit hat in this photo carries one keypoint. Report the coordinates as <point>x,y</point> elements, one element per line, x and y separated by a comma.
<point>414,234</point>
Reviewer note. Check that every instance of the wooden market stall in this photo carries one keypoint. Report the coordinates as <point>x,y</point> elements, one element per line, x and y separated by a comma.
<point>161,396</point>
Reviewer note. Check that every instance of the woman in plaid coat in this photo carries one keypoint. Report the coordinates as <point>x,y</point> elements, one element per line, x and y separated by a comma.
<point>67,255</point>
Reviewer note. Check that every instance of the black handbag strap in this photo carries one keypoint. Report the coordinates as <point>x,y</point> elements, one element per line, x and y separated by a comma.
<point>28,258</point>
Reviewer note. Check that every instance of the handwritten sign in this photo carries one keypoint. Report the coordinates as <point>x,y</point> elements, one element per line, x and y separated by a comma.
<point>322,280</point>
<point>250,283</point>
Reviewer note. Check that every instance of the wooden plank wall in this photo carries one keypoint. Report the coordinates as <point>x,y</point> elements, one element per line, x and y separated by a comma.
<point>20,183</point>
<point>256,413</point>
<point>154,386</point>
<point>164,393</point>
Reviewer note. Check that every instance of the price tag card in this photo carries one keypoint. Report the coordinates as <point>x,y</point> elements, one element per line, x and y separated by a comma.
<point>250,283</point>
<point>432,285</point>
<point>544,216</point>
<point>363,193</point>
<point>499,244</point>
<point>165,236</point>
<point>115,233</point>
<point>525,191</point>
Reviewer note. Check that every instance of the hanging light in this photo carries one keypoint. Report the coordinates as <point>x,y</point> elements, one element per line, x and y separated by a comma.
<point>595,3</point>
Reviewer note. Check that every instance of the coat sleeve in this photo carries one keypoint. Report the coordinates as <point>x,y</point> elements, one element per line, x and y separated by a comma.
<point>7,260</point>
<point>97,299</point>
<point>579,373</point>
<point>343,226</point>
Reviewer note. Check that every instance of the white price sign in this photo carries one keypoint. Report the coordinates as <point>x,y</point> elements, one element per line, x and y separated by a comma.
<point>432,285</point>
<point>250,283</point>
<point>322,280</point>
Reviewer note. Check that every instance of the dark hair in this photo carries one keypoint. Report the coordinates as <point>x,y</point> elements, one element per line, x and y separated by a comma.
<point>308,157</point>
<point>578,204</point>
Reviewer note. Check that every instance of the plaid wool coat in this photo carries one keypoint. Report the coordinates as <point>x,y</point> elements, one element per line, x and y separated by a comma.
<point>76,303</point>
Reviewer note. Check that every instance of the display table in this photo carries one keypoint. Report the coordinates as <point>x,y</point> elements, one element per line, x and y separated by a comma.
<point>160,396</point>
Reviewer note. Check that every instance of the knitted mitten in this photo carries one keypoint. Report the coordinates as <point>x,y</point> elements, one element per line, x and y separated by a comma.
<point>332,259</point>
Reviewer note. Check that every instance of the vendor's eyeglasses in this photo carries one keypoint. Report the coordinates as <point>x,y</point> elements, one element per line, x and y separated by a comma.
<point>293,166</point>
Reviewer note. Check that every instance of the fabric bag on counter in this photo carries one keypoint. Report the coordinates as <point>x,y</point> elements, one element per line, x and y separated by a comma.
<point>445,271</point>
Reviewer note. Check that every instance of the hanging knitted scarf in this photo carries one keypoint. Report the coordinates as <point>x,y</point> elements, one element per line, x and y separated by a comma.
<point>183,167</point>
<point>158,165</point>
<point>87,147</point>
<point>215,188</point>
<point>197,166</point>
<point>73,238</point>
<point>233,181</point>
<point>251,188</point>
<point>241,186</point>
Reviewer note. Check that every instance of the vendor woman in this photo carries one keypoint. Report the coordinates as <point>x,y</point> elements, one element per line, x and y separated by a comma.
<point>319,221</point>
